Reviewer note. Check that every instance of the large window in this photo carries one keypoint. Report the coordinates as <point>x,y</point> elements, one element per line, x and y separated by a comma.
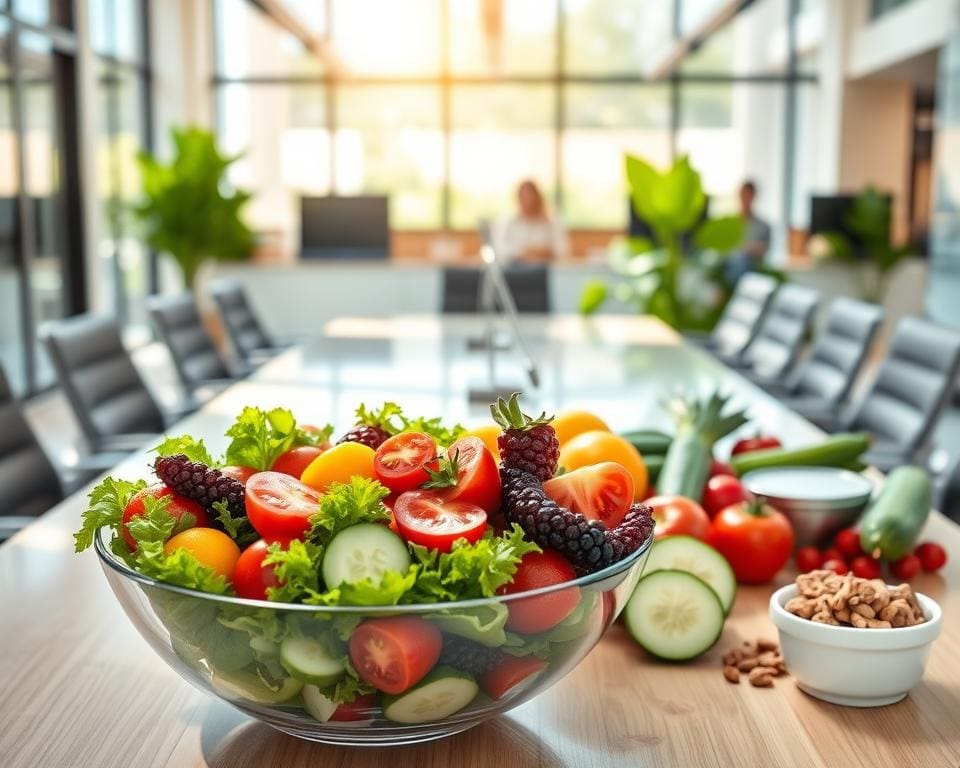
<point>447,104</point>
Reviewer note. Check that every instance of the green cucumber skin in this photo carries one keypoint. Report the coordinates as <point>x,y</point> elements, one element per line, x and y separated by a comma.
<point>435,675</point>
<point>654,464</point>
<point>835,451</point>
<point>685,467</point>
<point>892,523</point>
<point>648,441</point>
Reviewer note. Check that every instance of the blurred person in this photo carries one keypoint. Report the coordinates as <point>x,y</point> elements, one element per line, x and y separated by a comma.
<point>756,238</point>
<point>532,234</point>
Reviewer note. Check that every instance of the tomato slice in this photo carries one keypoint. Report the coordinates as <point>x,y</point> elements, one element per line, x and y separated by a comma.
<point>297,459</point>
<point>509,673</point>
<point>394,654</point>
<point>478,478</point>
<point>251,577</point>
<point>361,708</point>
<point>400,460</point>
<point>428,518</point>
<point>601,492</point>
<point>279,505</point>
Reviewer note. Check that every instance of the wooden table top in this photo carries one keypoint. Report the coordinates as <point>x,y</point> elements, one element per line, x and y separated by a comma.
<point>81,688</point>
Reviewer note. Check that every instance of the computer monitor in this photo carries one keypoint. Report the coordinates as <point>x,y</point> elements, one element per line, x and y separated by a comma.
<point>345,227</point>
<point>640,228</point>
<point>828,213</point>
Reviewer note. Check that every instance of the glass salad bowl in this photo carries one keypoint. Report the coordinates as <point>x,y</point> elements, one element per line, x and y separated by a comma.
<point>279,663</point>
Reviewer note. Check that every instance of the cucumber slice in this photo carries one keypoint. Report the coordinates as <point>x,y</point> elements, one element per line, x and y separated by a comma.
<point>441,693</point>
<point>318,705</point>
<point>363,551</point>
<point>674,615</point>
<point>685,553</point>
<point>307,660</point>
<point>249,686</point>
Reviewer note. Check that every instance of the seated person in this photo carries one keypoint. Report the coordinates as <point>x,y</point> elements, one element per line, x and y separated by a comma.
<point>756,239</point>
<point>532,235</point>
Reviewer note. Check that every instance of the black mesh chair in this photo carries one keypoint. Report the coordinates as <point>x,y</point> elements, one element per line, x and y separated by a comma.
<point>906,398</point>
<point>781,333</point>
<point>529,285</point>
<point>250,341</point>
<point>461,290</point>
<point>30,483</point>
<point>115,409</point>
<point>741,317</point>
<point>823,380</point>
<point>179,326</point>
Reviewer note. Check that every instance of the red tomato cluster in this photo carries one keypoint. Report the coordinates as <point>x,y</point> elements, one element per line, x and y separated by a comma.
<point>846,555</point>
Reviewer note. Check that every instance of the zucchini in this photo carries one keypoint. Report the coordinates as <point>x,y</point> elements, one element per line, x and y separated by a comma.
<point>648,441</point>
<point>699,425</point>
<point>654,462</point>
<point>836,451</point>
<point>890,526</point>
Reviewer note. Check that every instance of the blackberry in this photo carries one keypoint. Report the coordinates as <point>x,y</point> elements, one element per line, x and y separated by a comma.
<point>583,542</point>
<point>634,529</point>
<point>526,443</point>
<point>203,484</point>
<point>468,656</point>
<point>373,427</point>
<point>362,433</point>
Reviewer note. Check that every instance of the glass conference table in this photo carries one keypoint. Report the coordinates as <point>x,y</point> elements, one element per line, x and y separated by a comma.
<point>81,688</point>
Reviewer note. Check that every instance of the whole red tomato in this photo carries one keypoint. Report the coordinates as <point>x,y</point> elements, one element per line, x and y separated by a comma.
<point>756,443</point>
<point>678,514</point>
<point>755,538</point>
<point>720,492</point>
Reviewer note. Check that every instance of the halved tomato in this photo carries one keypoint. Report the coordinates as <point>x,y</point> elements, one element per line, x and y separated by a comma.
<point>429,519</point>
<point>601,492</point>
<point>394,654</point>
<point>509,673</point>
<point>478,478</point>
<point>401,460</point>
<point>279,506</point>
<point>297,459</point>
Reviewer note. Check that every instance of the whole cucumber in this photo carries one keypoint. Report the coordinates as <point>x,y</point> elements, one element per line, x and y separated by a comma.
<point>654,462</point>
<point>648,440</point>
<point>835,451</point>
<point>890,526</point>
<point>685,467</point>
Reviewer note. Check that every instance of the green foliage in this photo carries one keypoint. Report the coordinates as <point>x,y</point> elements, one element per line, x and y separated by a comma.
<point>869,219</point>
<point>259,437</point>
<point>193,449</point>
<point>672,203</point>
<point>106,504</point>
<point>347,504</point>
<point>187,209</point>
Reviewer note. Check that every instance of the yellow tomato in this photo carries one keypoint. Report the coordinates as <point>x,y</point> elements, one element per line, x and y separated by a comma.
<point>338,465</point>
<point>488,434</point>
<point>597,446</point>
<point>211,547</point>
<point>572,423</point>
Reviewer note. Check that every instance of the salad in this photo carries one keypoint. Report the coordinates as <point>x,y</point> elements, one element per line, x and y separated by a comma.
<point>399,511</point>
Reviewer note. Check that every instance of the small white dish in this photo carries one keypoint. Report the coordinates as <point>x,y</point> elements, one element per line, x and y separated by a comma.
<point>850,666</point>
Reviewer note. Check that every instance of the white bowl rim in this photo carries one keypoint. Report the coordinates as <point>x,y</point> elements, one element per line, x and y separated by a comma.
<point>891,639</point>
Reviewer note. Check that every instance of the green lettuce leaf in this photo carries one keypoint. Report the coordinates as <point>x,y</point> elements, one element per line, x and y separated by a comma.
<point>180,568</point>
<point>193,449</point>
<point>298,569</point>
<point>443,434</point>
<point>389,591</point>
<point>259,437</point>
<point>240,529</point>
<point>347,688</point>
<point>105,507</point>
<point>483,624</point>
<point>314,436</point>
<point>346,504</point>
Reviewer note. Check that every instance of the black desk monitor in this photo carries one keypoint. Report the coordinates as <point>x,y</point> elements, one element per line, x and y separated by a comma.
<point>345,227</point>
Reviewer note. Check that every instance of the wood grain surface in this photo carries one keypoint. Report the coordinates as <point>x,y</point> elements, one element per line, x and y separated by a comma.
<point>81,688</point>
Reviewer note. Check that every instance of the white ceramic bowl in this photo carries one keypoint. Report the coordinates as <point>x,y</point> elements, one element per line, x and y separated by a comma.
<point>850,666</point>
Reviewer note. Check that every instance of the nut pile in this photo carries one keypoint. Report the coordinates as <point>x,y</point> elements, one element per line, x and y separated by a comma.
<point>759,660</point>
<point>849,601</point>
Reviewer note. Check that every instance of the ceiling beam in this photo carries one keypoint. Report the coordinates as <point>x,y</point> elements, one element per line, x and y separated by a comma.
<point>289,22</point>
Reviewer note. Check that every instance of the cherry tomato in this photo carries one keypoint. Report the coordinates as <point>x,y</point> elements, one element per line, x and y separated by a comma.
<point>757,443</point>
<point>809,559</point>
<point>213,548</point>
<point>393,654</point>
<point>906,567</point>
<point>720,492</point>
<point>478,478</point>
<point>866,567</point>
<point>601,492</point>
<point>178,506</point>
<point>678,514</point>
<point>427,518</point>
<point>279,506</point>
<point>401,460</point>
<point>848,542</point>
<point>932,556</point>
<point>839,567</point>
<point>832,553</point>
<point>720,468</point>
<point>241,474</point>
<point>297,459</point>
<point>358,709</point>
<point>509,673</point>
<point>251,578</point>
<point>755,538</point>
<point>533,615</point>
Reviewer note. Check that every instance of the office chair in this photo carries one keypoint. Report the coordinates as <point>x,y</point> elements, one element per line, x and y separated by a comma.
<point>740,318</point>
<point>251,343</point>
<point>529,285</point>
<point>780,334</point>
